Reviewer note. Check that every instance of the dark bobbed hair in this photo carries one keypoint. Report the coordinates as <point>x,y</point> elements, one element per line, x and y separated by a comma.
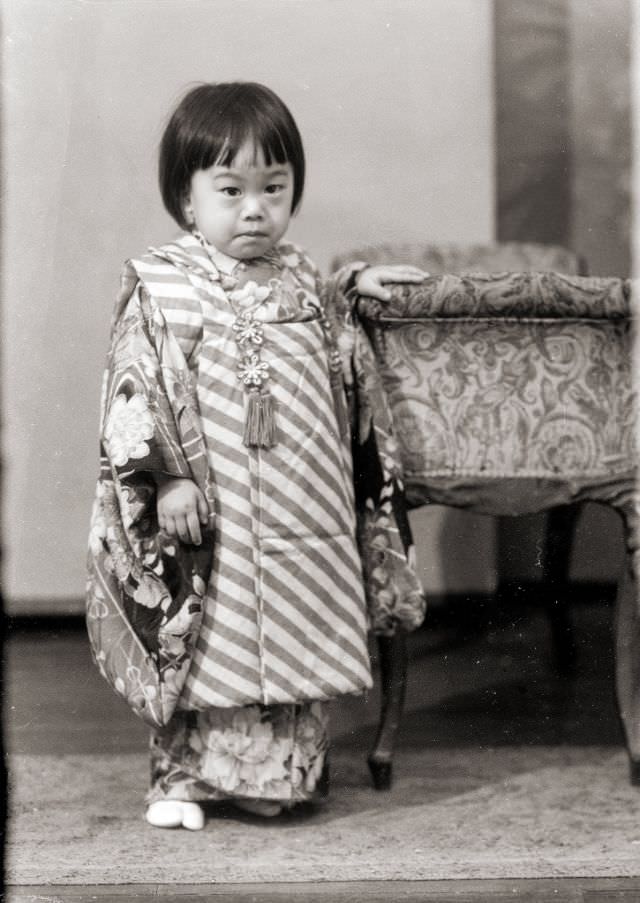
<point>210,125</point>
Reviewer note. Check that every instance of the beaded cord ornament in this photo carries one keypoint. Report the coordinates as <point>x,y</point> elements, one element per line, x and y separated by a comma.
<point>260,428</point>
<point>260,419</point>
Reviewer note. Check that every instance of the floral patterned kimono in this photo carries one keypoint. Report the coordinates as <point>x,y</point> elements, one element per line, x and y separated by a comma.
<point>228,373</point>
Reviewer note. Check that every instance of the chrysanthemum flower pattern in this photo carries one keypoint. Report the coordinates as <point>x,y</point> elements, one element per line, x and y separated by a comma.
<point>248,331</point>
<point>129,425</point>
<point>271,752</point>
<point>250,295</point>
<point>252,371</point>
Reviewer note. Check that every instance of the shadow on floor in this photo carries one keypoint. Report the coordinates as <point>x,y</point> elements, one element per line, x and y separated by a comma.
<point>480,673</point>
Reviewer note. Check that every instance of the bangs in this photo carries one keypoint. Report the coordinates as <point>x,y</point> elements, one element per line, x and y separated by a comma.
<point>266,141</point>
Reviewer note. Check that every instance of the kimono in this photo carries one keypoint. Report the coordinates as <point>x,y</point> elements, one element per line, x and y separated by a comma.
<point>231,374</point>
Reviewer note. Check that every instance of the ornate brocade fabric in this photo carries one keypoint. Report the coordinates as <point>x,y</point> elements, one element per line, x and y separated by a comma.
<point>523,377</point>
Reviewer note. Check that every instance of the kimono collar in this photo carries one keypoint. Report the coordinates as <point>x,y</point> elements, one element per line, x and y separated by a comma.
<point>194,253</point>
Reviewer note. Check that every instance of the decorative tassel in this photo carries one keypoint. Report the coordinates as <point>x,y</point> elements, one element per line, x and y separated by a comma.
<point>260,429</point>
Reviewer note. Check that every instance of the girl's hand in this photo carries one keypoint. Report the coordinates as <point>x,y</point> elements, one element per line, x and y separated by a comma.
<point>370,281</point>
<point>182,508</point>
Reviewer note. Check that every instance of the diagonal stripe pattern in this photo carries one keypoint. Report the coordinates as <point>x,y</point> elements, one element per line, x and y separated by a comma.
<point>285,617</point>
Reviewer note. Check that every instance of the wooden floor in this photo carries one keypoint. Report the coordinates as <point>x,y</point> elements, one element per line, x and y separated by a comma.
<point>98,726</point>
<point>567,890</point>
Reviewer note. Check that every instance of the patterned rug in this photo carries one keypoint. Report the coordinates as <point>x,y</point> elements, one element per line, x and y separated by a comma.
<point>473,812</point>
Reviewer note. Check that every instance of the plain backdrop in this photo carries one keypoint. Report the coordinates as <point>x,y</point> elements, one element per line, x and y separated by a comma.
<point>395,101</point>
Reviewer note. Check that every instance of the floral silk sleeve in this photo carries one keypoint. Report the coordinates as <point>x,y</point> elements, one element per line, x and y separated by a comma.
<point>394,593</point>
<point>145,590</point>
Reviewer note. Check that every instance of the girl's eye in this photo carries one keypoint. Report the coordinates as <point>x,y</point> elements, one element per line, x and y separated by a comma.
<point>274,189</point>
<point>231,191</point>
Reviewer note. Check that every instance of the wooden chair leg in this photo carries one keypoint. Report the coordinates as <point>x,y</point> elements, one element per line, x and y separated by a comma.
<point>556,560</point>
<point>393,677</point>
<point>627,636</point>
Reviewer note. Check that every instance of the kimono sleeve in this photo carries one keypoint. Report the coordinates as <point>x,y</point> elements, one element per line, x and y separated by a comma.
<point>394,593</point>
<point>145,590</point>
<point>149,415</point>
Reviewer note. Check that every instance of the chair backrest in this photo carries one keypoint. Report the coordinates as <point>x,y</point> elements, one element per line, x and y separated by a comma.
<point>498,257</point>
<point>522,376</point>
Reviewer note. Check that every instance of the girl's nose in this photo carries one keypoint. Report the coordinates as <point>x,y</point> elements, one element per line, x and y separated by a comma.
<point>252,207</point>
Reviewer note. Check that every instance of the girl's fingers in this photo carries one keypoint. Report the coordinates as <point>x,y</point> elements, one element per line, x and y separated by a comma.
<point>410,274</point>
<point>203,509</point>
<point>182,528</point>
<point>186,527</point>
<point>169,526</point>
<point>193,527</point>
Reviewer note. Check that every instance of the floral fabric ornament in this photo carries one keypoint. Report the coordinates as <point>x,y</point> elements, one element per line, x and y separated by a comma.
<point>260,419</point>
<point>252,371</point>
<point>248,331</point>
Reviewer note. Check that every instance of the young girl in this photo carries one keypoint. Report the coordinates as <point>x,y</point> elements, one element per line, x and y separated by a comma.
<point>225,595</point>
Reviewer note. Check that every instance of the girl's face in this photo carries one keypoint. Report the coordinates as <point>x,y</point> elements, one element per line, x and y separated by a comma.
<point>243,209</point>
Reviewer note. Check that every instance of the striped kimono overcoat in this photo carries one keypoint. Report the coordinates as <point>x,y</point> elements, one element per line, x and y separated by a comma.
<point>229,650</point>
<point>282,625</point>
<point>285,619</point>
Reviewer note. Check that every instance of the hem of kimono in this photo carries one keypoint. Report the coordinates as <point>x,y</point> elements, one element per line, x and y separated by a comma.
<point>200,791</point>
<point>198,703</point>
<point>220,796</point>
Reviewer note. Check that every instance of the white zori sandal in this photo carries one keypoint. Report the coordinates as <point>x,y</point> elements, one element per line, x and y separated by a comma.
<point>175,814</point>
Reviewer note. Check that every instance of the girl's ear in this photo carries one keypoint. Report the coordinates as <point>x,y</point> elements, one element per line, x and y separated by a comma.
<point>187,209</point>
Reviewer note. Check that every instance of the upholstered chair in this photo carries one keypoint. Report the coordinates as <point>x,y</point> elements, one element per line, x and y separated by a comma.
<point>509,383</point>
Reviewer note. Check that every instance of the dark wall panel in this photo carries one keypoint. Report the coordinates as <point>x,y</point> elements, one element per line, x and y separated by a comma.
<point>533,146</point>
